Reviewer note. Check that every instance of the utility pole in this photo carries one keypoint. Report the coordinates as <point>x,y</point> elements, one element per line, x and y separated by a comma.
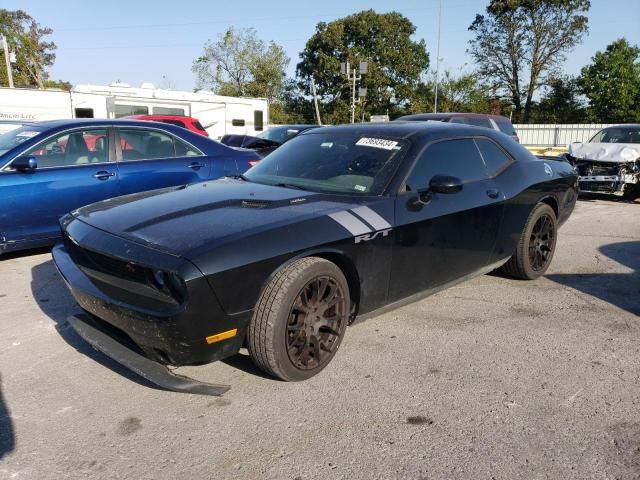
<point>435,103</point>
<point>7,60</point>
<point>315,100</point>
<point>355,74</point>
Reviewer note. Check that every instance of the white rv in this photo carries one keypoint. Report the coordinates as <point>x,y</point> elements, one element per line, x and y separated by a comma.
<point>218,114</point>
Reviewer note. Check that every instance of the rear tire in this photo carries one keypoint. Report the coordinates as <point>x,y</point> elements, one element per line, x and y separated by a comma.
<point>300,319</point>
<point>536,246</point>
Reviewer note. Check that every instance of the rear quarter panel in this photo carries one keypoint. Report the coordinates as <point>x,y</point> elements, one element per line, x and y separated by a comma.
<point>526,183</point>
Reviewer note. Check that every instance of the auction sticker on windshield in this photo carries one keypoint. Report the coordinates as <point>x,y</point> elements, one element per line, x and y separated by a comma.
<point>377,143</point>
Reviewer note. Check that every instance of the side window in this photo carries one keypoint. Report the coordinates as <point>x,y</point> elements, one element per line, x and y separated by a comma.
<point>458,158</point>
<point>84,113</point>
<point>185,150</point>
<point>258,120</point>
<point>494,158</point>
<point>168,111</point>
<point>141,144</point>
<point>73,148</point>
<point>126,110</point>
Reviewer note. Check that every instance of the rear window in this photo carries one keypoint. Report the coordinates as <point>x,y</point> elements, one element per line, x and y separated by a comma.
<point>177,123</point>
<point>505,126</point>
<point>476,122</point>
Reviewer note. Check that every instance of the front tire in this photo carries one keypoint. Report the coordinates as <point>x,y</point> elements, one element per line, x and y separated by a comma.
<point>536,246</point>
<point>300,319</point>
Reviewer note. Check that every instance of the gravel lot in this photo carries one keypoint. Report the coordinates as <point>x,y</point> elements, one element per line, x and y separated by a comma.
<point>494,378</point>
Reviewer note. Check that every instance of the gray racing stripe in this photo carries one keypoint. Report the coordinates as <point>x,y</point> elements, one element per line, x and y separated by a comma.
<point>372,218</point>
<point>350,222</point>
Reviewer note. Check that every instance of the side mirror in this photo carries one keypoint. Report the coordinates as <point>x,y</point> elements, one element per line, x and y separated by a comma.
<point>25,163</point>
<point>438,184</point>
<point>445,184</point>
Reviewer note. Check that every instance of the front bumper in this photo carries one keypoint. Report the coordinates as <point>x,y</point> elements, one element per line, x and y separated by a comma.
<point>166,331</point>
<point>613,184</point>
<point>146,368</point>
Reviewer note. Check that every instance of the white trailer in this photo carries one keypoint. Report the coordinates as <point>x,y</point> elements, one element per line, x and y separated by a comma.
<point>220,115</point>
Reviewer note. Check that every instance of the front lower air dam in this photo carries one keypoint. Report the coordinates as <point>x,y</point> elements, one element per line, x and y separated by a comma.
<point>148,369</point>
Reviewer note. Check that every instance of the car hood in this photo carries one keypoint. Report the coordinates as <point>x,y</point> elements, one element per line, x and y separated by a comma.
<point>195,219</point>
<point>605,152</point>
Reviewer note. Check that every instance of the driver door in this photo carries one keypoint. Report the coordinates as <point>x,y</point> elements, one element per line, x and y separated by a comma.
<point>449,235</point>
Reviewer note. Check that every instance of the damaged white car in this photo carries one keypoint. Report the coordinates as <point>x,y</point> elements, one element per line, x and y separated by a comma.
<point>609,162</point>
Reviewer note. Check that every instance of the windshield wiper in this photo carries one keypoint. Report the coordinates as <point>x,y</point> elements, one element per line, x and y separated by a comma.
<point>289,185</point>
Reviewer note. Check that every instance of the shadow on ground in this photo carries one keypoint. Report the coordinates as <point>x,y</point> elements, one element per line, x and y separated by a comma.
<point>242,361</point>
<point>25,253</point>
<point>619,289</point>
<point>56,302</point>
<point>7,437</point>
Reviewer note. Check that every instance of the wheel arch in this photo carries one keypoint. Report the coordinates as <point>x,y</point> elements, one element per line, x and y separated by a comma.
<point>350,272</point>
<point>337,257</point>
<point>552,202</point>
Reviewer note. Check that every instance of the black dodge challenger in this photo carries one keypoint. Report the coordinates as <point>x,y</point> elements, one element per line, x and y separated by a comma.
<point>340,222</point>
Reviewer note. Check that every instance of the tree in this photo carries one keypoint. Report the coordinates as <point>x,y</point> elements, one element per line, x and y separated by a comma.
<point>561,103</point>
<point>396,62</point>
<point>611,83</point>
<point>456,93</point>
<point>25,37</point>
<point>520,44</point>
<point>59,84</point>
<point>240,64</point>
<point>292,106</point>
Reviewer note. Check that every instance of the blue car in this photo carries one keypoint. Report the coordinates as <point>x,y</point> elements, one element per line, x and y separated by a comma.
<point>50,168</point>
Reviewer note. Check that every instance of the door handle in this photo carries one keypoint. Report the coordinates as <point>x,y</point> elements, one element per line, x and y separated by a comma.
<point>103,175</point>
<point>196,165</point>
<point>493,193</point>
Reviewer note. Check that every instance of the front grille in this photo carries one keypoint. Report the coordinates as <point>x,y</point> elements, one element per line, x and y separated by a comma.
<point>592,169</point>
<point>607,187</point>
<point>117,268</point>
<point>104,263</point>
<point>254,203</point>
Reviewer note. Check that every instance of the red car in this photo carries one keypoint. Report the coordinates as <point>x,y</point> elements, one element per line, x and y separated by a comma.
<point>189,123</point>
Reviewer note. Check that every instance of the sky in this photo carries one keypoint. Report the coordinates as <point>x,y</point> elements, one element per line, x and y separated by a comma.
<point>157,41</point>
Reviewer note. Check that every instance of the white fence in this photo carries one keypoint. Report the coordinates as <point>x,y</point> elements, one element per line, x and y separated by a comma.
<point>554,135</point>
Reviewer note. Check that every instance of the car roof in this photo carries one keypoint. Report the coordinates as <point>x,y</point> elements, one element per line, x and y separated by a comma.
<point>623,125</point>
<point>434,116</point>
<point>163,117</point>
<point>71,122</point>
<point>405,129</point>
<point>298,125</point>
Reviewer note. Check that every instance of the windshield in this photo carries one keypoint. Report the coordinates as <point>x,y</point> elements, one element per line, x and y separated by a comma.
<point>344,162</point>
<point>279,134</point>
<point>617,135</point>
<point>15,137</point>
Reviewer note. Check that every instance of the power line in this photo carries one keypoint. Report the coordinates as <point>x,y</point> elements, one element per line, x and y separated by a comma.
<point>240,20</point>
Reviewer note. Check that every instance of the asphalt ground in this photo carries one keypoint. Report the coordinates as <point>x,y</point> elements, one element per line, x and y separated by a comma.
<point>492,379</point>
